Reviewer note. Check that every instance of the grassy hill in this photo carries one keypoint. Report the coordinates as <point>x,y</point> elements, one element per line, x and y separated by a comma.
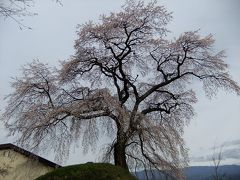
<point>89,171</point>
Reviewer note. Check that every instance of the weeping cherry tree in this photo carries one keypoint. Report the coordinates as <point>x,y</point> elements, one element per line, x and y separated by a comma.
<point>126,79</point>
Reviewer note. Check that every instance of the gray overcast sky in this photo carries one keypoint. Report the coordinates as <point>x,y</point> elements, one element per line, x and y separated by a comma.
<point>52,39</point>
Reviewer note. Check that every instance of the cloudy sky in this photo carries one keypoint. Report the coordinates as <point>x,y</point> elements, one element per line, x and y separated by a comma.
<point>52,38</point>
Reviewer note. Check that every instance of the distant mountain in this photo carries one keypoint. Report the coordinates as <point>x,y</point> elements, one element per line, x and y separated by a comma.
<point>206,172</point>
<point>227,172</point>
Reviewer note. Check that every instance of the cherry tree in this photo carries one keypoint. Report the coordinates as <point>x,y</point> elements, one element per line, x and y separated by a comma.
<point>127,79</point>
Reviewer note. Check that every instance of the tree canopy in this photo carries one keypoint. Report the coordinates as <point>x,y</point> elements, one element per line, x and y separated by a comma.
<point>127,78</point>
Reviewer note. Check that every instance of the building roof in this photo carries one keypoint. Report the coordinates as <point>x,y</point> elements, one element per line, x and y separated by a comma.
<point>28,154</point>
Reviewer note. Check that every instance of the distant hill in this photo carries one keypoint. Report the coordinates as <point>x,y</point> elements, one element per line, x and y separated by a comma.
<point>205,172</point>
<point>230,172</point>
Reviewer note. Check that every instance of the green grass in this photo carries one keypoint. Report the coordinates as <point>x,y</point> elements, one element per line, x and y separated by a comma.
<point>89,171</point>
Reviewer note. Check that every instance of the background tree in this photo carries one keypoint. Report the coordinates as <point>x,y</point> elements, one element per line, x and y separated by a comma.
<point>217,157</point>
<point>125,78</point>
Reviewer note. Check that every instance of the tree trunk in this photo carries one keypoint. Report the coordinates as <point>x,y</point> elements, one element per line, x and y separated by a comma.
<point>119,154</point>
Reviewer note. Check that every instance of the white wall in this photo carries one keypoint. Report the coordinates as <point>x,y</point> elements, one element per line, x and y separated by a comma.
<point>20,167</point>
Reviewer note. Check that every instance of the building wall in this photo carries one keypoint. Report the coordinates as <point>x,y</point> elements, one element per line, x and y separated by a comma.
<point>20,167</point>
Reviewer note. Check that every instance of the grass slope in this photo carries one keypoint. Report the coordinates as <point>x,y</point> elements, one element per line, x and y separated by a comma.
<point>89,171</point>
